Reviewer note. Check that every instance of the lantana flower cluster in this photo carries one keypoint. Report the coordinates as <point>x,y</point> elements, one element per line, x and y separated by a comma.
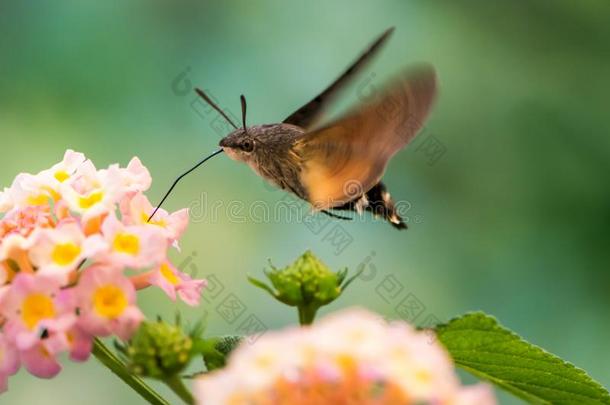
<point>75,245</point>
<point>350,357</point>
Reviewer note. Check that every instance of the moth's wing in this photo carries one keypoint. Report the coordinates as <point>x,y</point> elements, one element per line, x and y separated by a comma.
<point>306,116</point>
<point>348,157</point>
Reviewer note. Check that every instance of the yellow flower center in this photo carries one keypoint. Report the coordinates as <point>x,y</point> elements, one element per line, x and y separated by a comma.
<point>168,274</point>
<point>35,308</point>
<point>52,193</point>
<point>126,243</point>
<point>423,376</point>
<point>65,253</point>
<point>347,363</point>
<point>61,176</point>
<point>38,199</point>
<point>42,196</point>
<point>90,200</point>
<point>160,222</point>
<point>43,351</point>
<point>109,301</point>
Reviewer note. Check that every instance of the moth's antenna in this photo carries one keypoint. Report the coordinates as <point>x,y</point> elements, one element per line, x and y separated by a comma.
<point>214,106</point>
<point>243,111</point>
<point>180,178</point>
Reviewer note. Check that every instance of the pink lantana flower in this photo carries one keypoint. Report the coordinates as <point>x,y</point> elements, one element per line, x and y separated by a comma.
<point>64,170</point>
<point>107,303</point>
<point>40,361</point>
<point>25,220</point>
<point>80,344</point>
<point>4,275</point>
<point>9,362</point>
<point>65,217</point>
<point>33,306</point>
<point>134,178</point>
<point>6,200</point>
<point>172,281</point>
<point>59,251</point>
<point>91,193</point>
<point>131,245</point>
<point>13,255</point>
<point>30,190</point>
<point>138,209</point>
<point>77,342</point>
<point>13,245</point>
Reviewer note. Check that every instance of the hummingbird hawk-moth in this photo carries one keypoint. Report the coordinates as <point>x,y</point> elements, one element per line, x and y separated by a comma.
<point>339,165</point>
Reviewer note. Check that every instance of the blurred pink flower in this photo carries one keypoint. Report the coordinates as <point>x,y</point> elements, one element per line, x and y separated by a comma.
<point>349,357</point>
<point>478,394</point>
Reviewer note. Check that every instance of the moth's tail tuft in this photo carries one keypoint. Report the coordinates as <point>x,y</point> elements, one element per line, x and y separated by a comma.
<point>380,203</point>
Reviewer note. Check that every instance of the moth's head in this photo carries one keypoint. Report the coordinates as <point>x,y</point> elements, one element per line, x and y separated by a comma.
<point>244,144</point>
<point>258,142</point>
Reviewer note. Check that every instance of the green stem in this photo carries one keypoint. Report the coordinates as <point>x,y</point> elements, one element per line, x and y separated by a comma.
<point>107,358</point>
<point>307,314</point>
<point>176,385</point>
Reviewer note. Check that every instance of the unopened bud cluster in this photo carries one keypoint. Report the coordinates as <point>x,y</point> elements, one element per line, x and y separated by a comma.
<point>158,350</point>
<point>307,284</point>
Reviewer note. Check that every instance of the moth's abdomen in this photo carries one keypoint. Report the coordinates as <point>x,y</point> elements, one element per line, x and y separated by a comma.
<point>379,202</point>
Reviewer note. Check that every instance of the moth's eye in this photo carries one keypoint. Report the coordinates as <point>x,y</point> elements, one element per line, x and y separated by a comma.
<point>247,145</point>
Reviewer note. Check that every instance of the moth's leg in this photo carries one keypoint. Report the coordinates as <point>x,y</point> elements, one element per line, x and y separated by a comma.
<point>330,214</point>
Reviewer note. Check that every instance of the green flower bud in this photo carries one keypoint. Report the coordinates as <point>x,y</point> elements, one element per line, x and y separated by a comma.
<point>307,284</point>
<point>158,350</point>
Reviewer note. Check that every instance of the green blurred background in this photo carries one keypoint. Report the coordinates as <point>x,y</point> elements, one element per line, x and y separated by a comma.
<point>512,219</point>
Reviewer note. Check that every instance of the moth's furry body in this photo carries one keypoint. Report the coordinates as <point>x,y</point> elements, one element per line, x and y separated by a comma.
<point>276,156</point>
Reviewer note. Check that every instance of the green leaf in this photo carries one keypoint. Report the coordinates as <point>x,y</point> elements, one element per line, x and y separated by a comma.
<point>483,347</point>
<point>215,350</point>
<point>352,278</point>
<point>262,285</point>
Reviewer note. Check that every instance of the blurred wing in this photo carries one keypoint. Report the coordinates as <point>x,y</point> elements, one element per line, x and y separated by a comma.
<point>306,116</point>
<point>348,157</point>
